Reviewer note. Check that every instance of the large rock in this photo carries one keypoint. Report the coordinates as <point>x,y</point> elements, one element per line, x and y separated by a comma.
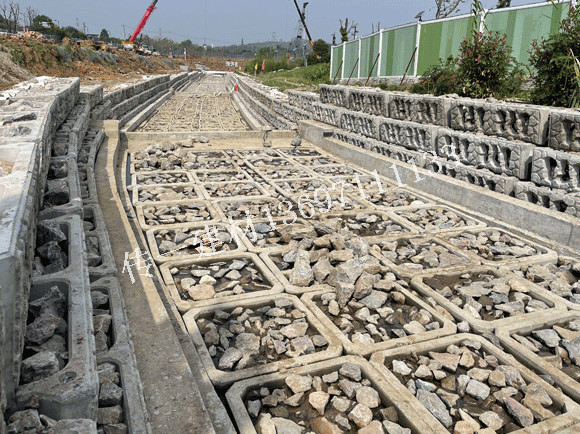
<point>295,330</point>
<point>299,383</point>
<point>230,357</point>
<point>53,302</point>
<point>39,366</point>
<point>521,414</point>
<point>361,415</point>
<point>318,400</point>
<point>302,274</point>
<point>435,406</point>
<point>110,395</point>
<point>248,343</point>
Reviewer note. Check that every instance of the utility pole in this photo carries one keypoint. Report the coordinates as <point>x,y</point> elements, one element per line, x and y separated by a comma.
<point>124,34</point>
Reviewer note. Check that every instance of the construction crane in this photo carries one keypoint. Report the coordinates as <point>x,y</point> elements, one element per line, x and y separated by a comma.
<point>303,20</point>
<point>130,44</point>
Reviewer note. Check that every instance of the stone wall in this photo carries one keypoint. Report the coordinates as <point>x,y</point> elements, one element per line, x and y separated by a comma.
<point>526,151</point>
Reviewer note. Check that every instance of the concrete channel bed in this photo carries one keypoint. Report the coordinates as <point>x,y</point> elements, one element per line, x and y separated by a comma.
<point>336,286</point>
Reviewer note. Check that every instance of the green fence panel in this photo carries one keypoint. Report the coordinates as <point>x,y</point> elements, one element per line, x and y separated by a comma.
<point>369,53</point>
<point>441,40</point>
<point>398,47</point>
<point>350,57</point>
<point>337,57</point>
<point>522,26</point>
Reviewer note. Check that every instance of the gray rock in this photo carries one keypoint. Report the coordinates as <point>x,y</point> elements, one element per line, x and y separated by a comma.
<point>350,370</point>
<point>299,383</point>
<point>374,300</point>
<point>344,292</point>
<point>302,345</point>
<point>548,337</point>
<point>229,358</point>
<point>110,395</point>
<point>395,428</point>
<point>361,415</point>
<point>24,421</point>
<point>435,406</point>
<point>492,420</point>
<point>248,343</point>
<point>302,274</point>
<point>285,426</point>
<point>401,368</point>
<point>368,396</point>
<point>53,302</point>
<point>110,415</point>
<point>295,330</point>
<point>254,408</point>
<point>478,390</point>
<point>39,366</point>
<point>521,414</point>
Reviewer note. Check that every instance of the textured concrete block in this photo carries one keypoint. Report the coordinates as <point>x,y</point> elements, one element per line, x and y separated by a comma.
<point>289,112</point>
<point>334,95</point>
<point>511,121</point>
<point>327,113</point>
<point>302,100</point>
<point>555,169</point>
<point>423,109</point>
<point>497,155</point>
<point>557,200</point>
<point>411,135</point>
<point>370,101</point>
<point>564,132</point>
<point>365,125</point>
<point>91,95</point>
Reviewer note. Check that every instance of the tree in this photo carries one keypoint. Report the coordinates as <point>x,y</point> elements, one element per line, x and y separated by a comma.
<point>29,17</point>
<point>446,7</point>
<point>503,3</point>
<point>320,52</point>
<point>104,36</point>
<point>11,13</point>
<point>39,26</point>
<point>346,30</point>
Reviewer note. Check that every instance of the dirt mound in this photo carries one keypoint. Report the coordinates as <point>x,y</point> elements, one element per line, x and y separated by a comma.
<point>23,57</point>
<point>10,72</point>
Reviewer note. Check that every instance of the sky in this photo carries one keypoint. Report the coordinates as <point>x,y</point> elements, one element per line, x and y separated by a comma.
<point>226,22</point>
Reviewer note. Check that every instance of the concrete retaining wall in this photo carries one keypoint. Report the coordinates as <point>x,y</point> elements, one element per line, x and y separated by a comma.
<point>526,151</point>
<point>48,152</point>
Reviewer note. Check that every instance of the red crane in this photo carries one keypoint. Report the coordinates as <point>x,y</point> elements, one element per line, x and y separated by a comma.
<point>144,20</point>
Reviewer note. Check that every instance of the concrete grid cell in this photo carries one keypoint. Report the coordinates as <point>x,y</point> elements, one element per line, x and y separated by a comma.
<point>564,132</point>
<point>388,329</point>
<point>389,398</point>
<point>369,101</point>
<point>433,410</point>
<point>418,108</point>
<point>261,282</point>
<point>411,135</point>
<point>487,298</point>
<point>193,242</point>
<point>256,341</point>
<point>334,95</point>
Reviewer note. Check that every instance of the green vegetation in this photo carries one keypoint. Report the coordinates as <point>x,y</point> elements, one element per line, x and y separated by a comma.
<point>304,78</point>
<point>557,68</point>
<point>17,56</point>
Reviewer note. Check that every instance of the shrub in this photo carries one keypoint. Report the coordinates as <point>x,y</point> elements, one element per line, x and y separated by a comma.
<point>557,69</point>
<point>440,79</point>
<point>485,66</point>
